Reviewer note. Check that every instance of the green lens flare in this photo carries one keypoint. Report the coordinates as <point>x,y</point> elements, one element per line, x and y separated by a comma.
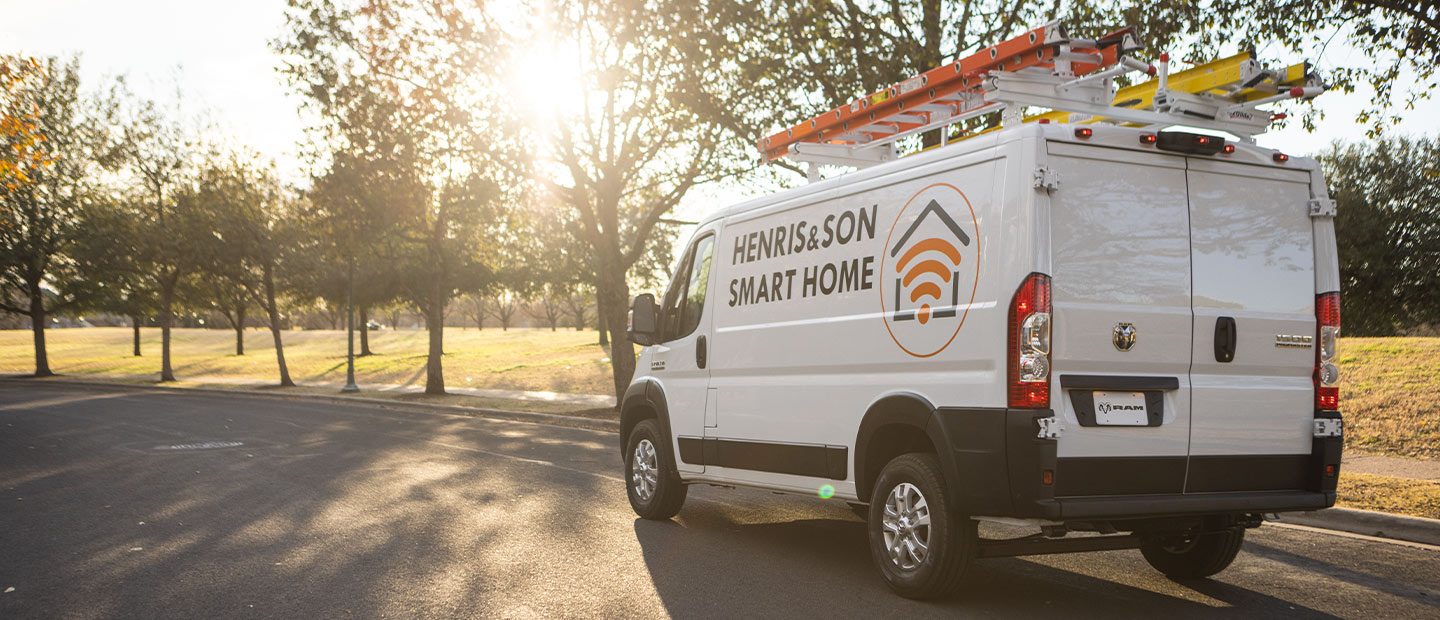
<point>826,491</point>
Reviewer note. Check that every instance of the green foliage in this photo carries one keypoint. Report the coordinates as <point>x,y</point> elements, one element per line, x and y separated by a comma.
<point>1388,230</point>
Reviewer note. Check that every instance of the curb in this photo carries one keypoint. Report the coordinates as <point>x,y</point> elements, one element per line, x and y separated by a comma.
<point>530,417</point>
<point>1370,523</point>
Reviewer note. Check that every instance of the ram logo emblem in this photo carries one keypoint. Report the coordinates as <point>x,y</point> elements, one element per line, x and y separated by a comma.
<point>1123,336</point>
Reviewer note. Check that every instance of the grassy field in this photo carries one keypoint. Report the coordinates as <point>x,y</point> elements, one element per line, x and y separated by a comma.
<point>1420,498</point>
<point>562,361</point>
<point>1388,393</point>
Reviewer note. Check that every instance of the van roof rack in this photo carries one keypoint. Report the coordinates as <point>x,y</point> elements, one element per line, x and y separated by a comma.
<point>1046,68</point>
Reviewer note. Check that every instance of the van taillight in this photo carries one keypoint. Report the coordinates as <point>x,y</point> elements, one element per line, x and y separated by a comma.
<point>1029,359</point>
<point>1327,374</point>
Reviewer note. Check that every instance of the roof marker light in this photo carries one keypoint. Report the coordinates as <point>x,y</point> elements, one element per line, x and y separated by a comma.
<point>1280,158</point>
<point>1228,149</point>
<point>1084,132</point>
<point>1147,138</point>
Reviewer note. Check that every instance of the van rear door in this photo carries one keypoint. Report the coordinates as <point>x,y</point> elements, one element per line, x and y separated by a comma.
<point>1120,242</point>
<point>1252,255</point>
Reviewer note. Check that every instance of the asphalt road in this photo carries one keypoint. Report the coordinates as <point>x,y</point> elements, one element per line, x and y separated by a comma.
<point>124,503</point>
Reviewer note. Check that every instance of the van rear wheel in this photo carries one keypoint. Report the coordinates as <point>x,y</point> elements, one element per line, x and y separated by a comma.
<point>1195,555</point>
<point>920,548</point>
<point>651,481</point>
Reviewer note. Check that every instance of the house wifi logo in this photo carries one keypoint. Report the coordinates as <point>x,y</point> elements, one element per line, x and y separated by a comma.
<point>931,264</point>
<point>935,257</point>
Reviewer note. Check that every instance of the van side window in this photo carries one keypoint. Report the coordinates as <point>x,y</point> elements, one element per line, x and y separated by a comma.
<point>699,283</point>
<point>680,314</point>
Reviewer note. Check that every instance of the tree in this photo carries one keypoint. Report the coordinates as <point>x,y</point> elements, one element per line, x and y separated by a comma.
<point>55,139</point>
<point>577,300</point>
<point>547,306</point>
<point>761,65</point>
<point>159,149</point>
<point>632,151</point>
<point>1397,41</point>
<point>502,306</point>
<point>1388,231</point>
<point>108,246</point>
<point>476,307</point>
<point>254,236</point>
<point>407,116</point>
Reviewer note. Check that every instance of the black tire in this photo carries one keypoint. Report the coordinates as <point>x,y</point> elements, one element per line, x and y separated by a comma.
<point>952,539</point>
<point>1194,556</point>
<point>667,494</point>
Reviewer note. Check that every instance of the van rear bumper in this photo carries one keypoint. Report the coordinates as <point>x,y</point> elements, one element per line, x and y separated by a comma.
<point>1141,506</point>
<point>997,466</point>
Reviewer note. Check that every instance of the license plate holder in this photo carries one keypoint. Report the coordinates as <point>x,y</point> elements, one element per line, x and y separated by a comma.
<point>1091,410</point>
<point>1120,408</point>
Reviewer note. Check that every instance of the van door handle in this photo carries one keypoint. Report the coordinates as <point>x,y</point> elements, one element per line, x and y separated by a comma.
<point>1225,338</point>
<point>700,352</point>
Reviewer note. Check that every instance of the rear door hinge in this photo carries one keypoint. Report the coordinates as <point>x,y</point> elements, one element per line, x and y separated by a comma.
<point>1322,207</point>
<point>1050,428</point>
<point>1046,179</point>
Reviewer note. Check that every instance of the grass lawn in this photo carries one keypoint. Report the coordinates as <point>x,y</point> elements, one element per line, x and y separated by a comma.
<point>1419,498</point>
<point>1388,389</point>
<point>562,361</point>
<point>1387,394</point>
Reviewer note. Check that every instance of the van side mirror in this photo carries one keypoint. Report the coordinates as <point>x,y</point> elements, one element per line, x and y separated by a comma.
<point>644,324</point>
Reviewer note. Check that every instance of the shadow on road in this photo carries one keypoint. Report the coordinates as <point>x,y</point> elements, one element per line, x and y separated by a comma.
<point>711,562</point>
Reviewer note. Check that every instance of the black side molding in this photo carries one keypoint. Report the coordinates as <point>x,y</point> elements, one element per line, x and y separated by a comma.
<point>1112,382</point>
<point>816,461</point>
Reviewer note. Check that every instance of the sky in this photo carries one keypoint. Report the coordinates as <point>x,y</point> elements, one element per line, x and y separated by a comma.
<point>219,54</point>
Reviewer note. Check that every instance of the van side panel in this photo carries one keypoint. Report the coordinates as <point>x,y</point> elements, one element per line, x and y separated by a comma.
<point>829,302</point>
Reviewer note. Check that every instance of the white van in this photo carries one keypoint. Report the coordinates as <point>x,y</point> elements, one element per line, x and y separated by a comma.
<point>1078,329</point>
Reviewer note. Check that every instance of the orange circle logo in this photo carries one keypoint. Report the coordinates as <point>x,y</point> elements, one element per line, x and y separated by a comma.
<point>930,270</point>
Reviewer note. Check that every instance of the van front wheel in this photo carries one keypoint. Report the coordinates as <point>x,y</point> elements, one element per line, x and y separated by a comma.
<point>651,481</point>
<point>921,549</point>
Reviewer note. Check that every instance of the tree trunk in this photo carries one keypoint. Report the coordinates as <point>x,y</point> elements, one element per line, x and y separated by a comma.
<point>272,310</point>
<point>240,329</point>
<point>167,318</point>
<point>600,324</point>
<point>364,331</point>
<point>135,330</point>
<point>622,354</point>
<point>435,323</point>
<point>37,328</point>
